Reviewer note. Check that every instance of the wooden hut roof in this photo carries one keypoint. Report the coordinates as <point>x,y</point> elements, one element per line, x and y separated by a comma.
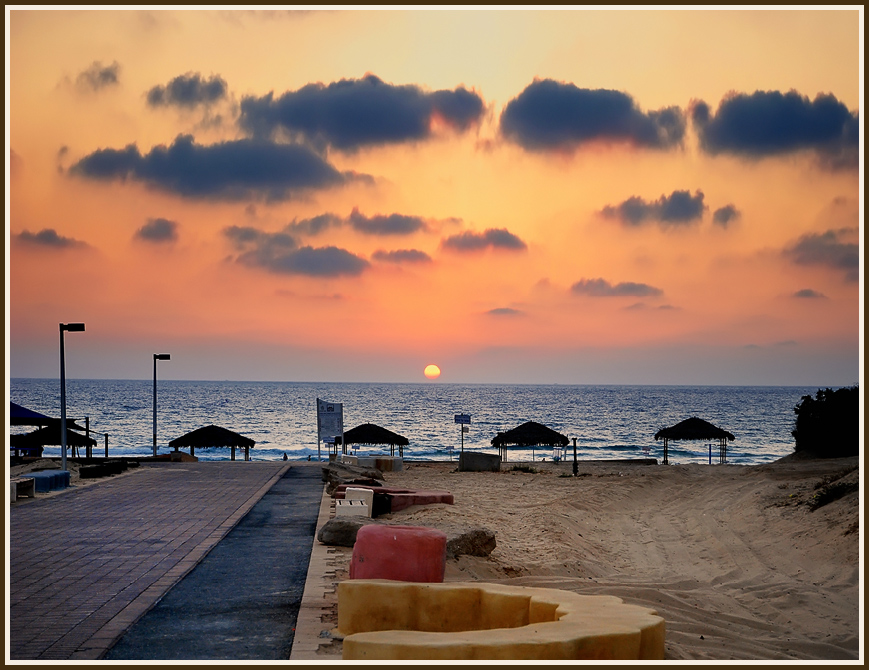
<point>369,433</point>
<point>530,434</point>
<point>211,436</point>
<point>693,429</point>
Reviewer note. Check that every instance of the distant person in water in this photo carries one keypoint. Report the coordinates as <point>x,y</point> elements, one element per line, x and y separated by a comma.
<point>285,456</point>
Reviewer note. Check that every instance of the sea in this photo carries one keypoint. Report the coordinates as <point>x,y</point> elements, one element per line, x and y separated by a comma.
<point>608,422</point>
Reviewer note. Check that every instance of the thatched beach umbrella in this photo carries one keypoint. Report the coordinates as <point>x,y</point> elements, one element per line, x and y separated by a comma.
<point>696,429</point>
<point>214,436</point>
<point>49,435</point>
<point>369,433</point>
<point>529,434</point>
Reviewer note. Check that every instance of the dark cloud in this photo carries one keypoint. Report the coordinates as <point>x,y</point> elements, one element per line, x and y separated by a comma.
<point>767,123</point>
<point>808,293</point>
<point>315,225</point>
<point>724,215</point>
<point>601,288</point>
<point>158,230</point>
<point>827,249</point>
<point>227,170</point>
<point>354,113</point>
<point>392,224</point>
<point>401,256</point>
<point>553,115</point>
<point>279,253</point>
<point>188,90</point>
<point>496,238</point>
<point>504,311</point>
<point>678,208</point>
<point>49,239</point>
<point>98,76</point>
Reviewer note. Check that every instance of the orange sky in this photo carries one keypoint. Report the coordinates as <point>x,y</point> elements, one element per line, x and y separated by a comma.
<point>518,196</point>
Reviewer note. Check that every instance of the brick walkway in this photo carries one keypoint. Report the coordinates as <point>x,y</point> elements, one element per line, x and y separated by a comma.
<point>85,564</point>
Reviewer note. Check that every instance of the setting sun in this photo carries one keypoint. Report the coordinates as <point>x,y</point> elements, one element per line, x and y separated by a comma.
<point>432,371</point>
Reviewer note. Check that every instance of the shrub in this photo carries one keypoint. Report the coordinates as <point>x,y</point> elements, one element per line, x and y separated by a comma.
<point>524,468</point>
<point>828,425</point>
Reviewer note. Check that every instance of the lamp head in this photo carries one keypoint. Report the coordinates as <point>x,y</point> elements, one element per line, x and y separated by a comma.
<point>161,357</point>
<point>72,327</point>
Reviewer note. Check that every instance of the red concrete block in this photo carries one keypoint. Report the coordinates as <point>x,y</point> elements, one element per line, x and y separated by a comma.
<point>402,553</point>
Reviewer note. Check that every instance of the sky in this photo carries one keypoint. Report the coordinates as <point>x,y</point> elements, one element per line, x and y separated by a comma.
<point>516,195</point>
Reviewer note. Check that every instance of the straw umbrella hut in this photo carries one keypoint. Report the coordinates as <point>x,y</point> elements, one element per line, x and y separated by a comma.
<point>369,433</point>
<point>34,441</point>
<point>528,434</point>
<point>696,429</point>
<point>213,436</point>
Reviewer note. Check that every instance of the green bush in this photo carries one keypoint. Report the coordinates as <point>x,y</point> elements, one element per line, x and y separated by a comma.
<point>828,425</point>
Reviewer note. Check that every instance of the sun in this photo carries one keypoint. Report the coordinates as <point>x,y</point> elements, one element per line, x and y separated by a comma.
<point>432,371</point>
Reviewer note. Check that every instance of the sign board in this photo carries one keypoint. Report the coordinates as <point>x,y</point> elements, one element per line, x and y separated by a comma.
<point>463,418</point>
<point>465,429</point>
<point>330,419</point>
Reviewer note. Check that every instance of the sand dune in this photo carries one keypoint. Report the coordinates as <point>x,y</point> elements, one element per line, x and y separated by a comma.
<point>731,556</point>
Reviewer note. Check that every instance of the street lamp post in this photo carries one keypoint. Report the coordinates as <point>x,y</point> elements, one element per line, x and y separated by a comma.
<point>73,328</point>
<point>157,357</point>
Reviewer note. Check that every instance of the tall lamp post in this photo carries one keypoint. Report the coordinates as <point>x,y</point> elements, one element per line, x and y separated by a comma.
<point>73,328</point>
<point>157,357</point>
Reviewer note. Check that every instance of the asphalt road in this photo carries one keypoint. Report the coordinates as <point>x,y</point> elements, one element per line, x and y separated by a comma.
<point>242,600</point>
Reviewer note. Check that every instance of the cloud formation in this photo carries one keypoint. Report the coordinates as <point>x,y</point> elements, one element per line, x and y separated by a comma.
<point>601,288</point>
<point>494,238</point>
<point>828,249</point>
<point>188,90</point>
<point>808,293</point>
<point>48,238</point>
<point>97,76</point>
<point>315,225</point>
<point>230,170</point>
<point>279,253</point>
<point>354,113</point>
<point>158,230</point>
<point>677,209</point>
<point>550,115</point>
<point>392,224</point>
<point>401,256</point>
<point>505,311</point>
<point>724,215</point>
<point>768,123</point>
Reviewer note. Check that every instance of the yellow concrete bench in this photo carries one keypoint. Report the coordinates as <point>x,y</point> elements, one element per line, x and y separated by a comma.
<point>389,620</point>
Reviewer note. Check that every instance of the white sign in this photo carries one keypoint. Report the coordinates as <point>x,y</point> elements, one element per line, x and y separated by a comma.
<point>330,419</point>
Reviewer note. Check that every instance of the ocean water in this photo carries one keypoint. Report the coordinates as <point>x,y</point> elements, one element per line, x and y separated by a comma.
<point>607,421</point>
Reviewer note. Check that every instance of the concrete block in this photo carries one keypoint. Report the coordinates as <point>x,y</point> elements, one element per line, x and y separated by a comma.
<point>350,459</point>
<point>389,463</point>
<point>365,495</point>
<point>352,508</point>
<point>403,553</point>
<point>471,461</point>
<point>24,487</point>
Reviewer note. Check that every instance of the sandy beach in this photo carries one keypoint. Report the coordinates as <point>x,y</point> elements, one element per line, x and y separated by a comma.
<point>732,557</point>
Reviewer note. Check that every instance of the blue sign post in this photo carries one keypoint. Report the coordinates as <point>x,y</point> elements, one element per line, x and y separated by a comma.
<point>463,419</point>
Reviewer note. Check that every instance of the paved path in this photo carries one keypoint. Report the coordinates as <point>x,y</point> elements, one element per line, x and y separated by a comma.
<point>242,600</point>
<point>85,564</point>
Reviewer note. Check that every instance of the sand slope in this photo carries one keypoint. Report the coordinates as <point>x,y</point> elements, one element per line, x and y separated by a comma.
<point>731,556</point>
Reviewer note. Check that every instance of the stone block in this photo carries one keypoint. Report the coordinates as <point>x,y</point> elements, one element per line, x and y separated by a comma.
<point>403,553</point>
<point>352,508</point>
<point>471,461</point>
